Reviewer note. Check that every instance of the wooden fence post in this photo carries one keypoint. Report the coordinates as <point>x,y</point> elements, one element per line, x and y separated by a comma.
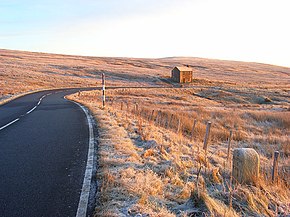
<point>157,117</point>
<point>206,137</point>
<point>128,106</point>
<point>166,121</point>
<point>137,109</point>
<point>152,115</point>
<point>231,190</point>
<point>162,119</point>
<point>121,105</point>
<point>178,126</point>
<point>229,144</point>
<point>275,166</point>
<point>169,121</point>
<point>192,130</point>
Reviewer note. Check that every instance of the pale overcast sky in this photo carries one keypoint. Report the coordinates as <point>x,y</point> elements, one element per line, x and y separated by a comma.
<point>247,30</point>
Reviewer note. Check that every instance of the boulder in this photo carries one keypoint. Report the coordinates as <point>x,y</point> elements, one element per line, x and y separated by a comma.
<point>246,165</point>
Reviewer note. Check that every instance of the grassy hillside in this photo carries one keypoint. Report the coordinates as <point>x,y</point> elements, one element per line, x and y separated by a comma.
<point>151,160</point>
<point>151,163</point>
<point>23,71</point>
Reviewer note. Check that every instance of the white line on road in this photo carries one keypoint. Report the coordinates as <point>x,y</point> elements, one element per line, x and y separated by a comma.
<point>12,122</point>
<point>84,198</point>
<point>31,110</point>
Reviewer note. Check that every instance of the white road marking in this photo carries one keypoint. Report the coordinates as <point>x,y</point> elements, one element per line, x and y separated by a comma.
<point>12,122</point>
<point>84,198</point>
<point>31,110</point>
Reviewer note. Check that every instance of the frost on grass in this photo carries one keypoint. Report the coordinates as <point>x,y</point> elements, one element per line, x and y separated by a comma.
<point>148,169</point>
<point>126,186</point>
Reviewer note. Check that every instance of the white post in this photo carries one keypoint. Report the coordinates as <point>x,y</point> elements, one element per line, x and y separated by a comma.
<point>103,88</point>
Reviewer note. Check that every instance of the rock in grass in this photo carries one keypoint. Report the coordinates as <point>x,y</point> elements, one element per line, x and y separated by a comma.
<point>246,164</point>
<point>267,99</point>
<point>263,100</point>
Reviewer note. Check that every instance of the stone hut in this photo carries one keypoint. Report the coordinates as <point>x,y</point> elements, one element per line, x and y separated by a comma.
<point>181,74</point>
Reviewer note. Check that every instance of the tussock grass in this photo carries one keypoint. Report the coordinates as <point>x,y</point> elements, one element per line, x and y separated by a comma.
<point>151,163</point>
<point>166,174</point>
<point>280,120</point>
<point>26,71</point>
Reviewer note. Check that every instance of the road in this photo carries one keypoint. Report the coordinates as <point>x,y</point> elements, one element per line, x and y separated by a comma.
<point>44,143</point>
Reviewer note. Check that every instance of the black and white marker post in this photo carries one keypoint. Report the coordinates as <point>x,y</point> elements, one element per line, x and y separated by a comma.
<point>103,88</point>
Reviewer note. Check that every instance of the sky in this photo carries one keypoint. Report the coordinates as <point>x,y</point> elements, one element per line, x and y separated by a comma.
<point>245,30</point>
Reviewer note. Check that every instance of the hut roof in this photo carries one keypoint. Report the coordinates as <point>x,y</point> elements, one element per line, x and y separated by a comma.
<point>183,68</point>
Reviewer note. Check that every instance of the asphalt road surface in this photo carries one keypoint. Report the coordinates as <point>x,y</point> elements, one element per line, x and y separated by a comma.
<point>43,154</point>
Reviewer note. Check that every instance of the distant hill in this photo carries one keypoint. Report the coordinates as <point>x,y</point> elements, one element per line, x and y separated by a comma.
<point>22,71</point>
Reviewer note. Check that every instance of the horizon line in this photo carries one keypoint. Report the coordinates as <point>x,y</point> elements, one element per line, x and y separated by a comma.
<point>131,57</point>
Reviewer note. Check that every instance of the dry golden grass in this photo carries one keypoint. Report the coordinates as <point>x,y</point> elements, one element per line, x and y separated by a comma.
<point>25,71</point>
<point>260,126</point>
<point>169,162</point>
<point>149,161</point>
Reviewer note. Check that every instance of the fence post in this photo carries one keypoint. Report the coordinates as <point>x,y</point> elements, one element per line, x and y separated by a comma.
<point>178,126</point>
<point>166,121</point>
<point>121,105</point>
<point>275,166</point>
<point>103,88</point>
<point>192,130</point>
<point>206,135</point>
<point>151,117</point>
<point>169,122</point>
<point>135,110</point>
<point>159,119</point>
<point>229,144</point>
<point>128,106</point>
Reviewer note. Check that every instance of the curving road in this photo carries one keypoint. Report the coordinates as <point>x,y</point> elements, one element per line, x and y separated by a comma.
<point>44,143</point>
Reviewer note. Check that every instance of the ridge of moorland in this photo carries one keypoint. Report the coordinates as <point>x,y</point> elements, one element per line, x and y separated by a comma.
<point>151,160</point>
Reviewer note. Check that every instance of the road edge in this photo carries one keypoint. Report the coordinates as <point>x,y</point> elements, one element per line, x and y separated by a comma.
<point>85,193</point>
<point>21,94</point>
